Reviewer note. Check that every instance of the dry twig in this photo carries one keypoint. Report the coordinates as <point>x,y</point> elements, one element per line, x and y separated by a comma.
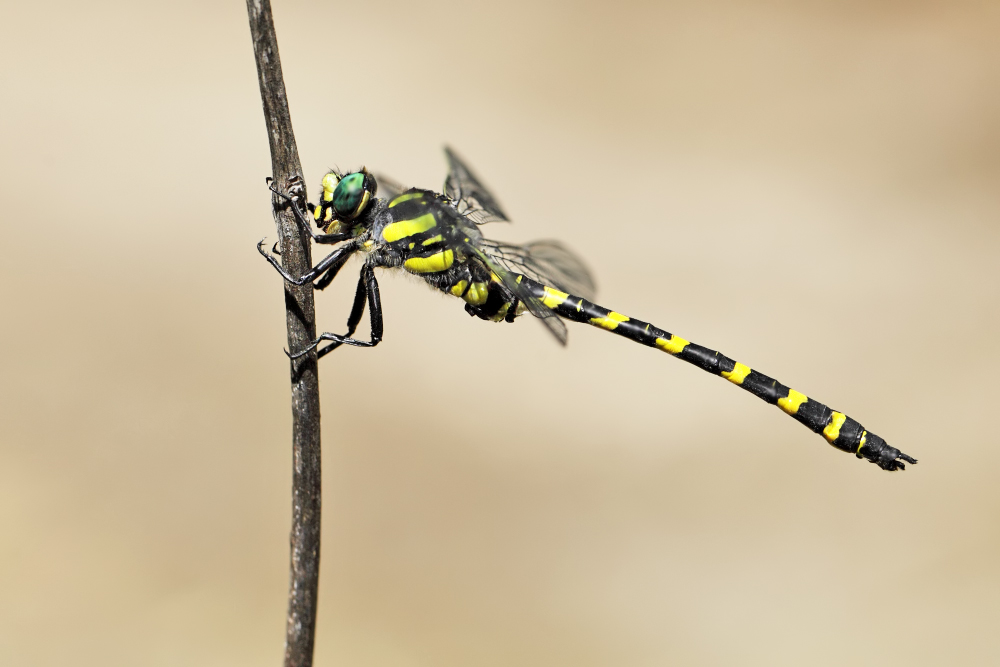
<point>300,318</point>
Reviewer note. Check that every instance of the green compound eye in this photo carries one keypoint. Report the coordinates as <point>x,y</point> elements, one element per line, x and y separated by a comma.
<point>352,194</point>
<point>348,193</point>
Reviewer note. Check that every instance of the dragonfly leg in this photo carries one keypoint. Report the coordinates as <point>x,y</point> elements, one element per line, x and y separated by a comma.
<point>293,197</point>
<point>367,291</point>
<point>334,260</point>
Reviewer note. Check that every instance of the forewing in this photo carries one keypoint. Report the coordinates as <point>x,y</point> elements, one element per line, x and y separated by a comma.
<point>546,262</point>
<point>472,198</point>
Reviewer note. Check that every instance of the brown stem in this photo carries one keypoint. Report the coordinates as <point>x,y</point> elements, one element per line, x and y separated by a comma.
<point>300,318</point>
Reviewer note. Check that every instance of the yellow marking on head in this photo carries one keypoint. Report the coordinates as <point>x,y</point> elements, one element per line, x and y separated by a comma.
<point>329,184</point>
<point>673,345</point>
<point>317,212</point>
<point>403,228</point>
<point>792,402</point>
<point>405,197</point>
<point>477,294</point>
<point>833,429</point>
<point>553,298</point>
<point>738,374</point>
<point>439,261</point>
<point>502,313</point>
<point>433,239</point>
<point>610,322</point>
<point>328,214</point>
<point>864,436</point>
<point>458,289</point>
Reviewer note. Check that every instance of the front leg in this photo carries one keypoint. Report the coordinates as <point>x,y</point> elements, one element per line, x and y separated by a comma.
<point>339,255</point>
<point>293,198</point>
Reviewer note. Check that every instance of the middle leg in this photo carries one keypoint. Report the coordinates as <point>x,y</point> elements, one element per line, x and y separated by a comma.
<point>367,290</point>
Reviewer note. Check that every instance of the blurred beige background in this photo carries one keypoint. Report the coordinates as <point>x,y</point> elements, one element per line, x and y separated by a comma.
<point>812,188</point>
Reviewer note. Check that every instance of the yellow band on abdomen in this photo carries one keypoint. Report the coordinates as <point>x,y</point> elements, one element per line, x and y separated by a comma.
<point>833,428</point>
<point>610,322</point>
<point>673,345</point>
<point>738,374</point>
<point>792,402</point>
<point>553,298</point>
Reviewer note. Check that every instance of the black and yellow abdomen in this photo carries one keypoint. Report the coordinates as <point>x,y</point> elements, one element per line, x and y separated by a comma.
<point>837,428</point>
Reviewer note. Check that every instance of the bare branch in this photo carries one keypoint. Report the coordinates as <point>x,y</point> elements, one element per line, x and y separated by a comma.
<point>300,318</point>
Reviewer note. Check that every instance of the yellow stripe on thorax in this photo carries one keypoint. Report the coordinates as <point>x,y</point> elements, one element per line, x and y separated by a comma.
<point>833,429</point>
<point>407,197</point>
<point>610,322</point>
<point>400,230</point>
<point>439,261</point>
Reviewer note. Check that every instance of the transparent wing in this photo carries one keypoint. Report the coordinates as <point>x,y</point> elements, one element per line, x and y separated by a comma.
<point>471,197</point>
<point>389,188</point>
<point>546,262</point>
<point>508,279</point>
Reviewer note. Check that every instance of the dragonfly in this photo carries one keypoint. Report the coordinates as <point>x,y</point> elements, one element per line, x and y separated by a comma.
<point>436,236</point>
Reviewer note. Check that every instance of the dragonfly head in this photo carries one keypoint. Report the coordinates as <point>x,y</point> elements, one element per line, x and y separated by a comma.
<point>344,197</point>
